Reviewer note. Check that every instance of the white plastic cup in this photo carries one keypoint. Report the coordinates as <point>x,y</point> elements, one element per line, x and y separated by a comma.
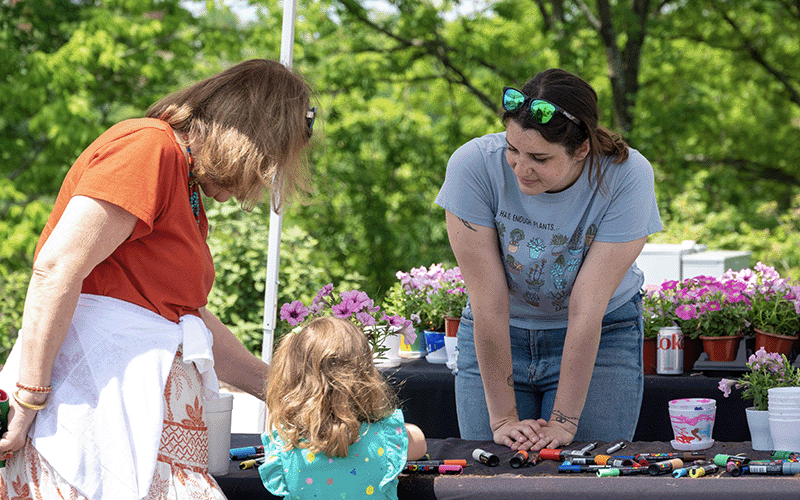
<point>785,434</point>
<point>785,393</point>
<point>217,415</point>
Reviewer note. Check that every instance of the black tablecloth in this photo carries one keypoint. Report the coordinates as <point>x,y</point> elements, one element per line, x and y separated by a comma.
<point>427,397</point>
<point>482,482</point>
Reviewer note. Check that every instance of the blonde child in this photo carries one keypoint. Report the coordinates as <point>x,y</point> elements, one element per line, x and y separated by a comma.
<point>333,426</point>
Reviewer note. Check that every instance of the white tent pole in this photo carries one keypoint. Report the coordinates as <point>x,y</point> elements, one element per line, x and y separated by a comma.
<point>276,219</point>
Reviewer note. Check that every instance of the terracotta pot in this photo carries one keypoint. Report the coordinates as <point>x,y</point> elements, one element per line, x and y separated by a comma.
<point>772,342</point>
<point>649,355</point>
<point>721,348</point>
<point>451,326</point>
<point>692,349</point>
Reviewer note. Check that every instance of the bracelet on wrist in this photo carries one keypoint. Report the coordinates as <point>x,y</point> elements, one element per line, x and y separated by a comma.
<point>34,388</point>
<point>25,404</point>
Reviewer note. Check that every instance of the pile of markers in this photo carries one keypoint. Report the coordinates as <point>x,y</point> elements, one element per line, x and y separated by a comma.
<point>678,464</point>
<point>251,456</point>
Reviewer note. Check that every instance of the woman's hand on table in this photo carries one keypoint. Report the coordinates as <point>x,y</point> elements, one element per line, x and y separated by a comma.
<point>519,434</point>
<point>555,435</point>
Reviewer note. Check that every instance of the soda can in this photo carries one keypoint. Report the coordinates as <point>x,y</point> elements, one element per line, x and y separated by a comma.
<point>669,351</point>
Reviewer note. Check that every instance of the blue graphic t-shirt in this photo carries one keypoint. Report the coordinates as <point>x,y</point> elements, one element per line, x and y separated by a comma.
<point>369,471</point>
<point>544,238</point>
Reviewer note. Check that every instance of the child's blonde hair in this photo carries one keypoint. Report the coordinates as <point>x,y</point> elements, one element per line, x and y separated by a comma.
<point>323,384</point>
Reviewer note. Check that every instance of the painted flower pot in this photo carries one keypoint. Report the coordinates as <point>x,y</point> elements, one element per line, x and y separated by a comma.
<point>721,348</point>
<point>772,342</point>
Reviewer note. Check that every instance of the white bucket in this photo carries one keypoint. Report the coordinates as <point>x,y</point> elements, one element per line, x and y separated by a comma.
<point>217,415</point>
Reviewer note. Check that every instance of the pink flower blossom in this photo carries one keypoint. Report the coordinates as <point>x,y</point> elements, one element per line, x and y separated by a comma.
<point>294,312</point>
<point>725,385</point>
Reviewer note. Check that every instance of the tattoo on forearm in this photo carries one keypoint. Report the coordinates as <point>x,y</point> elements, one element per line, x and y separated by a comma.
<point>467,225</point>
<point>561,418</point>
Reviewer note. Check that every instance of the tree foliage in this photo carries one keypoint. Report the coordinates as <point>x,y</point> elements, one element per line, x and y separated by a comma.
<point>707,90</point>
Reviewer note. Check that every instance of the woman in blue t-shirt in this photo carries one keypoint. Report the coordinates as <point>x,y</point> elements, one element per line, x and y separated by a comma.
<point>546,221</point>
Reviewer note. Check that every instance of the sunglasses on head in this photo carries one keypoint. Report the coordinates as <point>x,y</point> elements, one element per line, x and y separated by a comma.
<point>541,110</point>
<point>311,115</point>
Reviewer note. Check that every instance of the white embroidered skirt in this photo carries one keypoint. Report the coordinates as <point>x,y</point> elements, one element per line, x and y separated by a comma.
<point>181,468</point>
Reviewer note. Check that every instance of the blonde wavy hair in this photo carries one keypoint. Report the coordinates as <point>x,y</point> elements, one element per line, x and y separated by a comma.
<point>323,384</point>
<point>247,128</point>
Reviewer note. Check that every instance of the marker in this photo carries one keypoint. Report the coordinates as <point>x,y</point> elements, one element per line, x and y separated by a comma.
<point>249,464</point>
<point>586,449</point>
<point>485,457</point>
<point>702,470</point>
<point>613,461</point>
<point>784,455</point>
<point>682,472</point>
<point>519,459</point>
<point>568,467</point>
<point>615,447</point>
<point>434,469</point>
<point>556,454</point>
<point>665,466</point>
<point>646,458</point>
<point>459,461</point>
<point>735,469</point>
<point>620,471</point>
<point>243,453</point>
<point>723,460</point>
<point>774,468</point>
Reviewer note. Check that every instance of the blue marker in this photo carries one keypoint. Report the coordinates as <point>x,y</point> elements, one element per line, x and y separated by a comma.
<point>246,452</point>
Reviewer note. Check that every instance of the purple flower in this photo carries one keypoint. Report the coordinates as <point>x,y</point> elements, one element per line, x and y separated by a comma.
<point>725,385</point>
<point>365,318</point>
<point>294,312</point>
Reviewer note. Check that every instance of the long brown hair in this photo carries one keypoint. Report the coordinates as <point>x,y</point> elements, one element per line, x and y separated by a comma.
<point>247,129</point>
<point>323,384</point>
<point>578,98</point>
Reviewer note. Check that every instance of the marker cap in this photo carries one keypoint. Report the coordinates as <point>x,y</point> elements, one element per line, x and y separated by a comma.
<point>485,457</point>
<point>550,454</point>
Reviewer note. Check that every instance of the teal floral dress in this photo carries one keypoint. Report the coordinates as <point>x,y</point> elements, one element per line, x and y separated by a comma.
<point>369,471</point>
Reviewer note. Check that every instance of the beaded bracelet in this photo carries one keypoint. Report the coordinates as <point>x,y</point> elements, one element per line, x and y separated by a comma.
<point>25,404</point>
<point>31,388</point>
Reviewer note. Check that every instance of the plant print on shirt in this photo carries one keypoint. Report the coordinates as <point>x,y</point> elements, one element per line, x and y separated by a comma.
<point>543,275</point>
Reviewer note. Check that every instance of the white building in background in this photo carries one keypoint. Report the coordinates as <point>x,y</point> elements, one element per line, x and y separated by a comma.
<point>661,262</point>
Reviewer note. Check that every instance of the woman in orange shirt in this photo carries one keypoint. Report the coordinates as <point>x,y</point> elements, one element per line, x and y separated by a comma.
<point>117,351</point>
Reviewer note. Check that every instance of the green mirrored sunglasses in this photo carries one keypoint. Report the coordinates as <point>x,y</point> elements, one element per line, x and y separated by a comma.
<point>541,110</point>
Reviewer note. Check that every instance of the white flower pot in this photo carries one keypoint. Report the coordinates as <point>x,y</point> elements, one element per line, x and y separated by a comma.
<point>391,357</point>
<point>758,422</point>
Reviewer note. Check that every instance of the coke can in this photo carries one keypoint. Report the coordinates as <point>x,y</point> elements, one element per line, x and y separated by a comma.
<point>669,351</point>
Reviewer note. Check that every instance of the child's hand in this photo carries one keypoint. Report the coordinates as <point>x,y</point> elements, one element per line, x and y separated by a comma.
<point>417,446</point>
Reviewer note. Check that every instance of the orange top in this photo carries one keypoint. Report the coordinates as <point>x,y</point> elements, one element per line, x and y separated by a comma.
<point>165,265</point>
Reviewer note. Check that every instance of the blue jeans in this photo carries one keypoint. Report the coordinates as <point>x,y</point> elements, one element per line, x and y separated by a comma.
<point>614,399</point>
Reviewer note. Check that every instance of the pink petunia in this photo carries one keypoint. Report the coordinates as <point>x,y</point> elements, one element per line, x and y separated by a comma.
<point>294,312</point>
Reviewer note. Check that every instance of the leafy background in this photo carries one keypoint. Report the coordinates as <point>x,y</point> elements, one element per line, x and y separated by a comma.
<point>708,90</point>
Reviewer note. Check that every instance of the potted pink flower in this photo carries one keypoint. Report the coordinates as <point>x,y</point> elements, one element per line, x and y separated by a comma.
<point>774,307</point>
<point>766,371</point>
<point>356,306</point>
<point>714,310</point>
